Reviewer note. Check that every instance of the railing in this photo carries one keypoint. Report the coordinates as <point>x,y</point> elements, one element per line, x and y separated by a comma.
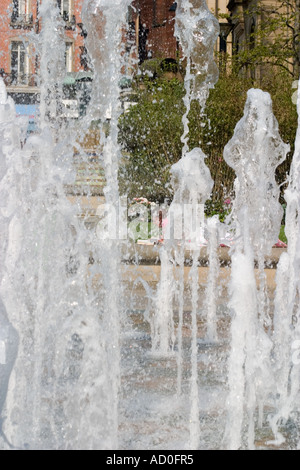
<point>26,20</point>
<point>21,20</point>
<point>19,79</point>
<point>90,176</point>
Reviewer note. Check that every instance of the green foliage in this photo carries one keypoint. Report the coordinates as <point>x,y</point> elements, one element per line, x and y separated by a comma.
<point>151,132</point>
<point>220,208</point>
<point>282,235</point>
<point>151,68</point>
<point>150,135</point>
<point>280,87</point>
<point>212,131</point>
<point>274,38</point>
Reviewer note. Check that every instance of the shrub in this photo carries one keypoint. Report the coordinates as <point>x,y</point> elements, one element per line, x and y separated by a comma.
<point>150,133</point>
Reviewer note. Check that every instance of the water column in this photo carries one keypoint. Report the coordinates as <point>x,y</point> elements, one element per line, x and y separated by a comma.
<point>58,387</point>
<point>254,152</point>
<point>10,172</point>
<point>26,283</point>
<point>104,21</point>
<point>36,246</point>
<point>197,30</point>
<point>192,185</point>
<point>286,336</point>
<point>47,228</point>
<point>211,288</point>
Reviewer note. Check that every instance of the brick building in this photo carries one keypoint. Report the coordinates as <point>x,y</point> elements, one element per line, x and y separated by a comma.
<point>154,22</point>
<point>151,32</point>
<point>19,63</point>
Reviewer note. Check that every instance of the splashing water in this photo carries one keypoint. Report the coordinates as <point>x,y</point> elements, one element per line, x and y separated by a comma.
<point>9,224</point>
<point>254,152</point>
<point>47,296</point>
<point>63,371</point>
<point>105,22</point>
<point>197,30</point>
<point>286,335</point>
<point>192,185</point>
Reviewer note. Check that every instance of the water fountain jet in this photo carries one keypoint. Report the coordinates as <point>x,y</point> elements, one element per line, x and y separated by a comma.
<point>69,376</point>
<point>254,152</point>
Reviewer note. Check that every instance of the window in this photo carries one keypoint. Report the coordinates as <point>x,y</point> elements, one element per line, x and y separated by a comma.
<point>66,11</point>
<point>65,7</point>
<point>21,7</point>
<point>84,58</point>
<point>19,63</point>
<point>223,44</point>
<point>21,12</point>
<point>252,35</point>
<point>69,56</point>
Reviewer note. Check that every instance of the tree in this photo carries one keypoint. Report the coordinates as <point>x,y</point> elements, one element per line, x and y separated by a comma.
<point>272,36</point>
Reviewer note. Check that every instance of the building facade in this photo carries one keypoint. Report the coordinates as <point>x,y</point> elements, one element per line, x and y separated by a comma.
<point>150,36</point>
<point>19,63</point>
<point>154,23</point>
<point>266,34</point>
